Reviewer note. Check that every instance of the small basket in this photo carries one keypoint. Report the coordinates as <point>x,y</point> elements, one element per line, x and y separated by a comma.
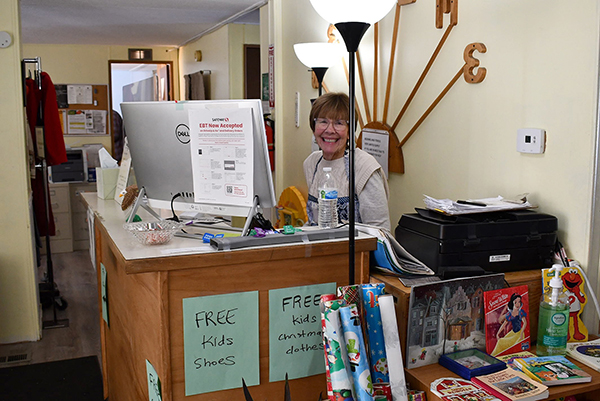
<point>155,232</point>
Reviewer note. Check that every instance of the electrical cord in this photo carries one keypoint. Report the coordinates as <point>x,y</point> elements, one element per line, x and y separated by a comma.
<point>174,218</point>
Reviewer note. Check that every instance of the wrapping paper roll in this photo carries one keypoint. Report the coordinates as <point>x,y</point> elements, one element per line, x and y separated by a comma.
<point>325,298</point>
<point>374,332</point>
<point>392,348</point>
<point>337,357</point>
<point>351,294</point>
<point>357,355</point>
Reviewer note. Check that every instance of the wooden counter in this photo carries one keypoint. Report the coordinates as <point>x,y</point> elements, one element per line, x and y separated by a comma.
<point>146,286</point>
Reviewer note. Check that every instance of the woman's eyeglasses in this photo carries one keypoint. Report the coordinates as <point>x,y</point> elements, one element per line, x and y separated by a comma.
<point>338,125</point>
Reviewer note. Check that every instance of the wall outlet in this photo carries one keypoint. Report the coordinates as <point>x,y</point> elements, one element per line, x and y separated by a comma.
<point>531,140</point>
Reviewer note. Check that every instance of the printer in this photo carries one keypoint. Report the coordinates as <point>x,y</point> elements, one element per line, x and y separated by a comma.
<point>73,170</point>
<point>495,241</point>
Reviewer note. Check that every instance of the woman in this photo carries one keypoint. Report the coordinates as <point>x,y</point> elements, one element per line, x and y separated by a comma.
<point>329,123</point>
<point>517,317</point>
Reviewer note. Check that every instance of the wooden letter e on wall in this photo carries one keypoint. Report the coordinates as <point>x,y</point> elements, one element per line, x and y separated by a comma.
<point>471,63</point>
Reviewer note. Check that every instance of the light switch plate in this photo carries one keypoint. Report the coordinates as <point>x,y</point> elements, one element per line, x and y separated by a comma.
<point>531,140</point>
<point>5,39</point>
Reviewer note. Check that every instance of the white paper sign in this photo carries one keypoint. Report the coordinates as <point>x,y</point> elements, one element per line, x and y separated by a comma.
<point>222,156</point>
<point>123,177</point>
<point>79,94</point>
<point>376,143</point>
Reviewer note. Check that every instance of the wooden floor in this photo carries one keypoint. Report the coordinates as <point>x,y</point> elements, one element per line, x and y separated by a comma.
<point>76,281</point>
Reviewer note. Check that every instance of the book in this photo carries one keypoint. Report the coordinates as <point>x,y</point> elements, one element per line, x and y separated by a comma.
<point>506,320</point>
<point>586,352</point>
<point>452,389</point>
<point>471,362</point>
<point>552,370</point>
<point>512,385</point>
<point>510,358</point>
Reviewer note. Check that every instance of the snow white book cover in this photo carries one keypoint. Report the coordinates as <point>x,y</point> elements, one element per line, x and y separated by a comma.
<point>507,320</point>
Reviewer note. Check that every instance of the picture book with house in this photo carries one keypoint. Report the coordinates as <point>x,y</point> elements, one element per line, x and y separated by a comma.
<point>586,352</point>
<point>512,385</point>
<point>552,370</point>
<point>507,320</point>
<point>447,316</point>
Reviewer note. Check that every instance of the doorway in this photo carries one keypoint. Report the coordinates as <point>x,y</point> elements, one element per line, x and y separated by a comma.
<point>135,82</point>
<point>252,76</point>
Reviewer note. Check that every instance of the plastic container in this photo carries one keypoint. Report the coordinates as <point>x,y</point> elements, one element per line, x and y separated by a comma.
<point>553,325</point>
<point>328,194</point>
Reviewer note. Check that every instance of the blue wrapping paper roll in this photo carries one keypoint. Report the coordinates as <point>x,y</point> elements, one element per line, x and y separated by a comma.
<point>374,332</point>
<point>337,358</point>
<point>357,355</point>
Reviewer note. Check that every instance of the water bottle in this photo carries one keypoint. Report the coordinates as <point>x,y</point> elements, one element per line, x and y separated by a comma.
<point>328,194</point>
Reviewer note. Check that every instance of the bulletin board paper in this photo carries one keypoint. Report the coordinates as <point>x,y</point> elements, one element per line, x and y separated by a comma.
<point>221,342</point>
<point>295,331</point>
<point>154,386</point>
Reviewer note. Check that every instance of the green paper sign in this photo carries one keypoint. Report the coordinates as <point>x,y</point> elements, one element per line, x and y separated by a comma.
<point>295,331</point>
<point>154,387</point>
<point>220,341</point>
<point>104,292</point>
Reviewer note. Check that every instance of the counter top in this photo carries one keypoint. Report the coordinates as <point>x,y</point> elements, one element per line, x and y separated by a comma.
<point>139,257</point>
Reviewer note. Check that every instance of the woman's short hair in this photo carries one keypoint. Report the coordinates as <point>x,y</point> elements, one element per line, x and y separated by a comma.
<point>332,105</point>
<point>513,297</point>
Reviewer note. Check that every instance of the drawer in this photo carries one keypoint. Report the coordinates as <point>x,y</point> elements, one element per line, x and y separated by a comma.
<point>81,230</point>
<point>64,230</point>
<point>76,189</point>
<point>59,198</point>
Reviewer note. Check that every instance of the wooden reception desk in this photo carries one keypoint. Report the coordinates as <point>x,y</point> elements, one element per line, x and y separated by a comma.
<point>146,286</point>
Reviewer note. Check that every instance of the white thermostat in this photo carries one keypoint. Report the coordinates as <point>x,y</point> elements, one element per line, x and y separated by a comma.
<point>5,39</point>
<point>531,140</point>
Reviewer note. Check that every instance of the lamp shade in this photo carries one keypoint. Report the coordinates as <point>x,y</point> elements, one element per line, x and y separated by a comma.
<point>335,11</point>
<point>318,55</point>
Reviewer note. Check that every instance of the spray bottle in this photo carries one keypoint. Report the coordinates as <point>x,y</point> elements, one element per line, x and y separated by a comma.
<point>553,326</point>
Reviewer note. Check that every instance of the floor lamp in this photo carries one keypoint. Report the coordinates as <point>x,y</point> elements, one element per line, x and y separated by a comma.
<point>318,57</point>
<point>352,18</point>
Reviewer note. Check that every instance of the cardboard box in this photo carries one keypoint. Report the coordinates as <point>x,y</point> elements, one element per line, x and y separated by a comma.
<point>106,182</point>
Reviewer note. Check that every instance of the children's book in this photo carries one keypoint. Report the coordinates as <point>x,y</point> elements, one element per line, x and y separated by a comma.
<point>553,370</point>
<point>512,385</point>
<point>452,389</point>
<point>510,358</point>
<point>507,320</point>
<point>586,352</point>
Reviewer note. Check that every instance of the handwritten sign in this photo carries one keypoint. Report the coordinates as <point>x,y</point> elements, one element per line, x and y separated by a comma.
<point>154,387</point>
<point>295,331</point>
<point>220,341</point>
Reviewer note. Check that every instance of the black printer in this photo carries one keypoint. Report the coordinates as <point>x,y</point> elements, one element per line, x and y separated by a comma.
<point>496,241</point>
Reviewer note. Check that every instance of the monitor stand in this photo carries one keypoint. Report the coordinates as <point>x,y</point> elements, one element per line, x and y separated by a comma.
<point>143,202</point>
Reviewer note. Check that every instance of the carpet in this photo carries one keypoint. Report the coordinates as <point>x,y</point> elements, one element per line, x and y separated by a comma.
<point>68,380</point>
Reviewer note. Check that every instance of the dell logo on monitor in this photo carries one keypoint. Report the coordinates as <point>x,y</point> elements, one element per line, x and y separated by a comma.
<point>182,132</point>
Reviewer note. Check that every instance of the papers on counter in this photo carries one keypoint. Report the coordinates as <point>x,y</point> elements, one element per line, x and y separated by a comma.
<point>392,256</point>
<point>483,205</point>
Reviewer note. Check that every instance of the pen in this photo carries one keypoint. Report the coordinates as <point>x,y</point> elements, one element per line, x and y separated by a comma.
<point>464,202</point>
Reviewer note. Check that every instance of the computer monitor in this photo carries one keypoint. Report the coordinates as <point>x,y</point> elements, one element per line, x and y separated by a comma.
<point>158,135</point>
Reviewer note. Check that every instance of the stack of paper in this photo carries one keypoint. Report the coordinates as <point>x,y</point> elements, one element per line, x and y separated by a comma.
<point>483,205</point>
<point>391,255</point>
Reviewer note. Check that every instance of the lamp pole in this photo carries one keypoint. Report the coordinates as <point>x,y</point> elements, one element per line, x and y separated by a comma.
<point>352,32</point>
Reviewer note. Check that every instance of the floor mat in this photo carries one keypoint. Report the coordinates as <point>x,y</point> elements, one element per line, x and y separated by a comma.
<point>68,380</point>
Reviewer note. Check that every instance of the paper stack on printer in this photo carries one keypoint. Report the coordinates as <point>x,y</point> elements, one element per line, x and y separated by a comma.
<point>483,205</point>
<point>390,255</point>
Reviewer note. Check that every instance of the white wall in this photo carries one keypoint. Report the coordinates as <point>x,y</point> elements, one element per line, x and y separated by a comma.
<point>19,317</point>
<point>542,71</point>
<point>223,55</point>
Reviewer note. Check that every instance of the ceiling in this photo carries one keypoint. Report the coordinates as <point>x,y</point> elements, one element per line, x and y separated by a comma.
<point>170,23</point>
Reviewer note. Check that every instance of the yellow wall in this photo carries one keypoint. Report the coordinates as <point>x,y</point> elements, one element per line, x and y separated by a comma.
<point>19,317</point>
<point>542,72</point>
<point>88,64</point>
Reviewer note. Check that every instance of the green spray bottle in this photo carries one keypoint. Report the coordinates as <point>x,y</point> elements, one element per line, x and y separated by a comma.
<point>553,326</point>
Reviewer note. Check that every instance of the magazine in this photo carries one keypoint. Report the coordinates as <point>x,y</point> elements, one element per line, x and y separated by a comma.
<point>510,384</point>
<point>587,352</point>
<point>507,320</point>
<point>452,389</point>
<point>553,370</point>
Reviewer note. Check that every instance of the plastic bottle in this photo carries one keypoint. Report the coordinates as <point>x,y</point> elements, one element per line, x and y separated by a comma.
<point>328,195</point>
<point>553,326</point>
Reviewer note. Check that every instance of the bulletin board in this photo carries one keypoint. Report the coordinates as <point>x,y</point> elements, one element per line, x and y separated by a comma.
<point>83,109</point>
